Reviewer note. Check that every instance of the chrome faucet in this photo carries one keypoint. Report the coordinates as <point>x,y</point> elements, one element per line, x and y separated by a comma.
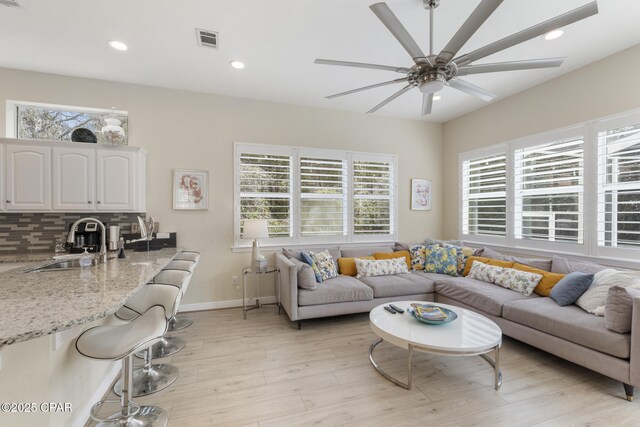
<point>103,239</point>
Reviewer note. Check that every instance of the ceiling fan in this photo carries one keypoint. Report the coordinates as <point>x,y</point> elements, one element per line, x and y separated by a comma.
<point>432,72</point>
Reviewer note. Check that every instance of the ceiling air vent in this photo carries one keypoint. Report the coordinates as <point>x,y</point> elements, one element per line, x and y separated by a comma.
<point>10,3</point>
<point>206,38</point>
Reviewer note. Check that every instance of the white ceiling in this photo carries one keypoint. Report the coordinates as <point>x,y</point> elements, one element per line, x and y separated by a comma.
<point>279,40</point>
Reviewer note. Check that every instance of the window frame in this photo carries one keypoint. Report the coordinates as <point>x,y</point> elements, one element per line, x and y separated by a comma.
<point>296,153</point>
<point>590,204</point>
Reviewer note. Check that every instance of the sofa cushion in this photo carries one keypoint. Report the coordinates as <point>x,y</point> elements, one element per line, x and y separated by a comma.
<point>618,308</point>
<point>399,284</point>
<point>570,323</point>
<point>306,275</point>
<point>364,251</point>
<point>297,253</point>
<point>565,266</point>
<point>338,289</point>
<point>540,264</point>
<point>483,296</point>
<point>431,276</point>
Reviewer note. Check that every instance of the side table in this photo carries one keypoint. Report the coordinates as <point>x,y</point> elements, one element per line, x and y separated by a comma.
<point>255,281</point>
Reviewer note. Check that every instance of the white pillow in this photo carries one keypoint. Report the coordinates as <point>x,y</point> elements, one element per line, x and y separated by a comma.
<point>592,301</point>
<point>382,267</point>
<point>519,281</point>
<point>484,272</point>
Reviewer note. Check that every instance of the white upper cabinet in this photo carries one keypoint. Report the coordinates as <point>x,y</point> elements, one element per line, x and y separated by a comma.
<point>27,178</point>
<point>43,176</point>
<point>74,179</point>
<point>116,181</point>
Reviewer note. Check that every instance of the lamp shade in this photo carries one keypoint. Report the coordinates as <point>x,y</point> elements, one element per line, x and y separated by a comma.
<point>255,229</point>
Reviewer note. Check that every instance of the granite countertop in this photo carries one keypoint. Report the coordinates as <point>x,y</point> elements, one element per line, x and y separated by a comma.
<point>34,304</point>
<point>33,256</point>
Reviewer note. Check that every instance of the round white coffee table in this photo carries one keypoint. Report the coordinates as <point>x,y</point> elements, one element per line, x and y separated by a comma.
<point>471,334</point>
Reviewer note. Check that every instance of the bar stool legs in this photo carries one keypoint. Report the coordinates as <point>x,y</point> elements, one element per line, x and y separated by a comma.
<point>150,378</point>
<point>178,323</point>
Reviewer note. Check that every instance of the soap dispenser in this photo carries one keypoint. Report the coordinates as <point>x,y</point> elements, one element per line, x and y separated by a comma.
<point>86,259</point>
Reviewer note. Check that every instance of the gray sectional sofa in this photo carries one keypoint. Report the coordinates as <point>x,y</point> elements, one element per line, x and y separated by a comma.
<point>567,332</point>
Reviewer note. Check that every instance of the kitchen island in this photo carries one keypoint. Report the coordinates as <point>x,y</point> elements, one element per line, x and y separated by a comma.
<point>33,304</point>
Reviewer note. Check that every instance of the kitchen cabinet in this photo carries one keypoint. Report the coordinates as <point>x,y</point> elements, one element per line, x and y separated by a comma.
<point>74,179</point>
<point>46,176</point>
<point>27,178</point>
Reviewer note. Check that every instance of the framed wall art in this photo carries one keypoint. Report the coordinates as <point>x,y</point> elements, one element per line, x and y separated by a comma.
<point>420,195</point>
<point>190,189</point>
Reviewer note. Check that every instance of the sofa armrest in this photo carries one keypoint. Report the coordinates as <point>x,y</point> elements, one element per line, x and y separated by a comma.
<point>288,285</point>
<point>634,357</point>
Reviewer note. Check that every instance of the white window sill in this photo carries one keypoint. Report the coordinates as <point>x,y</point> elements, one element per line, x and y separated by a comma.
<point>278,247</point>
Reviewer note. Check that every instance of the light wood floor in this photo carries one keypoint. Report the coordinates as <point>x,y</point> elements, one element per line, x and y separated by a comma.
<point>264,372</point>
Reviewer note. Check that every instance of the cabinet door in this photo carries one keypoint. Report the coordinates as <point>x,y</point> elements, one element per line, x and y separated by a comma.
<point>2,173</point>
<point>27,178</point>
<point>74,171</point>
<point>116,180</point>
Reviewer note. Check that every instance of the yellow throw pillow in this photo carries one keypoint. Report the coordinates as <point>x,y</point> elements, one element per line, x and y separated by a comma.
<point>392,255</point>
<point>347,266</point>
<point>547,282</point>
<point>488,261</point>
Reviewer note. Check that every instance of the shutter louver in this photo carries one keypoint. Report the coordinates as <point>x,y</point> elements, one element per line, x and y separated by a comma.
<point>549,192</point>
<point>323,192</point>
<point>372,198</point>
<point>484,196</point>
<point>619,187</point>
<point>265,191</point>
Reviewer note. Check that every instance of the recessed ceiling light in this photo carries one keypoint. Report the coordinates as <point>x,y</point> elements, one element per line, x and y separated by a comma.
<point>437,98</point>
<point>117,45</point>
<point>552,35</point>
<point>237,65</point>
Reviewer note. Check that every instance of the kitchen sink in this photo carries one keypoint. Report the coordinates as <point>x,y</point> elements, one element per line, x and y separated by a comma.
<point>62,265</point>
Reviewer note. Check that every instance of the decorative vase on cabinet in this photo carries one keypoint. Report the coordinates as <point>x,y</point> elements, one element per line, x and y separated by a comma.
<point>113,132</point>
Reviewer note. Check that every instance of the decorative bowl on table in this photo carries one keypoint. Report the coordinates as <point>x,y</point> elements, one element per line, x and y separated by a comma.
<point>432,314</point>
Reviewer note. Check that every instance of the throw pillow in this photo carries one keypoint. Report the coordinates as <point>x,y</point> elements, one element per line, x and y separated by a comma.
<point>306,257</point>
<point>618,308</point>
<point>565,266</point>
<point>391,255</point>
<point>593,300</point>
<point>541,264</point>
<point>463,252</point>
<point>488,261</point>
<point>548,281</point>
<point>417,253</point>
<point>490,253</point>
<point>306,275</point>
<point>570,288</point>
<point>484,272</point>
<point>383,267</point>
<point>347,266</point>
<point>325,263</point>
<point>517,280</point>
<point>441,260</point>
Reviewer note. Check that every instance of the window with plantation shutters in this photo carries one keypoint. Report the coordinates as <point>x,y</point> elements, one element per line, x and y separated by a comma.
<point>619,186</point>
<point>373,197</point>
<point>484,196</point>
<point>549,191</point>
<point>314,195</point>
<point>265,191</point>
<point>323,196</point>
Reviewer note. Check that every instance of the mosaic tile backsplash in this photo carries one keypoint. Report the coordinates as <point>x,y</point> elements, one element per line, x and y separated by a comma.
<point>25,232</point>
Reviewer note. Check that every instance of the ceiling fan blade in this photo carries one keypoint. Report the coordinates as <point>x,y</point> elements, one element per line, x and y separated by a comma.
<point>537,30</point>
<point>349,92</point>
<point>427,103</point>
<point>394,25</point>
<point>389,99</point>
<point>468,29</point>
<point>362,65</point>
<point>472,89</point>
<point>510,66</point>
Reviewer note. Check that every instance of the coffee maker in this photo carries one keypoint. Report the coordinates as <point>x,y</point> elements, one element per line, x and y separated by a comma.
<point>87,236</point>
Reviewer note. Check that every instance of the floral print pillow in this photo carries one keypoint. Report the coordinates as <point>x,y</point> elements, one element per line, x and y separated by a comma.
<point>441,260</point>
<point>519,281</point>
<point>417,253</point>
<point>382,267</point>
<point>325,264</point>
<point>464,252</point>
<point>306,257</point>
<point>484,272</point>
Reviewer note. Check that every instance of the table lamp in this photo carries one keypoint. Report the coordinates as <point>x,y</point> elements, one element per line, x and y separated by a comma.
<point>255,229</point>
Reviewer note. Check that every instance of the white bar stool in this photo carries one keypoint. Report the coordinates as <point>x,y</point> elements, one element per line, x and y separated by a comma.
<point>188,256</point>
<point>119,342</point>
<point>150,378</point>
<point>178,323</point>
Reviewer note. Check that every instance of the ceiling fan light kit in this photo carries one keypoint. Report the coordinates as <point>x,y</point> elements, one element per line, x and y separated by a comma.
<point>431,73</point>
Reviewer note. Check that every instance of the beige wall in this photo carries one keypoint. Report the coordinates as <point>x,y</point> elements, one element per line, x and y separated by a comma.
<point>189,130</point>
<point>600,89</point>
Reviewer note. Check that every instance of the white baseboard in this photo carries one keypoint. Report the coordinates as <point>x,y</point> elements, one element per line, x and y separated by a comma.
<point>215,305</point>
<point>83,415</point>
